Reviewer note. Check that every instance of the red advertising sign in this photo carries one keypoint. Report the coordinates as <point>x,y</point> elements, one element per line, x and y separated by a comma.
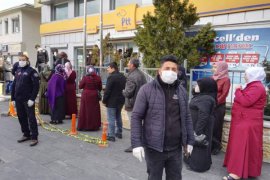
<point>217,57</point>
<point>250,58</point>
<point>232,58</point>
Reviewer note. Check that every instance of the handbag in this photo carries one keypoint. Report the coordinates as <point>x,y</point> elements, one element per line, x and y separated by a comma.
<point>201,140</point>
<point>99,95</point>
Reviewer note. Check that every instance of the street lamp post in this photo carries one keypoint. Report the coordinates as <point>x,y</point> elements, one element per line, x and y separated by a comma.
<point>101,33</point>
<point>84,33</point>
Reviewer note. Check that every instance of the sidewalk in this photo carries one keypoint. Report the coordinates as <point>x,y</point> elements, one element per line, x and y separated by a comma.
<point>58,157</point>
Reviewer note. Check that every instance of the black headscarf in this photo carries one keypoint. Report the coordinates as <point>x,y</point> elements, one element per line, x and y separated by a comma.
<point>208,86</point>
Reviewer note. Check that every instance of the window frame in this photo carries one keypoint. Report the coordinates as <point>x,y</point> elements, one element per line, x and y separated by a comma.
<point>77,8</point>
<point>53,11</point>
<point>14,20</point>
<point>6,26</point>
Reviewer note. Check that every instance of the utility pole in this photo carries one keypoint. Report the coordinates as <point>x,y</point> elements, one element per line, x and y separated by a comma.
<point>84,34</point>
<point>101,34</point>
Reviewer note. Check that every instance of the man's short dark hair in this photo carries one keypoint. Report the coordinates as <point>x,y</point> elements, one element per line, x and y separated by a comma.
<point>171,58</point>
<point>135,62</point>
<point>113,65</point>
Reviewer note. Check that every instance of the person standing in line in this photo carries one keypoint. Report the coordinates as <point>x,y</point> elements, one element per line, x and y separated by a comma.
<point>135,79</point>
<point>114,101</point>
<point>43,101</point>
<point>161,123</point>
<point>56,95</point>
<point>182,77</point>
<point>8,75</point>
<point>70,91</point>
<point>221,76</point>
<point>63,59</point>
<point>90,117</point>
<point>244,152</point>
<point>42,57</point>
<point>202,106</point>
<point>24,92</point>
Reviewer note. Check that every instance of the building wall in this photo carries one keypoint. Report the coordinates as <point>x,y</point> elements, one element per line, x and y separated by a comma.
<point>30,33</point>
<point>10,38</point>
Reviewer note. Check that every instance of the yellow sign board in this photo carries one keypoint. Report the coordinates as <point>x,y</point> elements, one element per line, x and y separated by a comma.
<point>125,17</point>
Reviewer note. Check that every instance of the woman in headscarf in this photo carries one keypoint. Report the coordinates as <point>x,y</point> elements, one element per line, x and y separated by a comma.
<point>90,118</point>
<point>70,91</point>
<point>44,78</point>
<point>221,76</point>
<point>244,153</point>
<point>202,107</point>
<point>56,94</point>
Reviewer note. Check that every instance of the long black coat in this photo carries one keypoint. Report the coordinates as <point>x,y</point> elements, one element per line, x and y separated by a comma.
<point>201,109</point>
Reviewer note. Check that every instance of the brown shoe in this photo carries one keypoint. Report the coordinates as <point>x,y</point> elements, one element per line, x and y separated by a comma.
<point>34,142</point>
<point>23,138</point>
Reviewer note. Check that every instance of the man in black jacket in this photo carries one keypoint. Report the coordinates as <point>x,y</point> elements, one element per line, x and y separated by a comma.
<point>114,101</point>
<point>161,123</point>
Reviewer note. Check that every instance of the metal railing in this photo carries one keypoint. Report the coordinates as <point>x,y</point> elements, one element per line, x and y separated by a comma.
<point>236,77</point>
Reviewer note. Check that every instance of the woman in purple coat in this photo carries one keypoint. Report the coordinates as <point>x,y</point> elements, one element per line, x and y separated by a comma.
<point>56,94</point>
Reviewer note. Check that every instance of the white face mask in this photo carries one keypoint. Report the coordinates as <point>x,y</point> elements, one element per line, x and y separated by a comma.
<point>22,63</point>
<point>197,89</point>
<point>168,76</point>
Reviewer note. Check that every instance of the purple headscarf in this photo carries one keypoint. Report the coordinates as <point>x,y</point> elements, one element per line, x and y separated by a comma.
<point>56,85</point>
<point>60,69</point>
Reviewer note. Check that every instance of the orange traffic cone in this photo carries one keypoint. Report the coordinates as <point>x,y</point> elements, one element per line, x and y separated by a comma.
<point>73,130</point>
<point>104,135</point>
<point>12,111</point>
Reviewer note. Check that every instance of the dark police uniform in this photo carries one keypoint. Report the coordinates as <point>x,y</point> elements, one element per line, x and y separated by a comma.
<point>25,87</point>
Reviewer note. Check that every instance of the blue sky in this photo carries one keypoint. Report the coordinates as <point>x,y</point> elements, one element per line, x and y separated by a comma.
<point>5,4</point>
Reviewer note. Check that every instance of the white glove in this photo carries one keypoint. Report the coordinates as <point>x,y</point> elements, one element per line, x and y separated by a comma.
<point>189,149</point>
<point>138,153</point>
<point>13,103</point>
<point>30,103</point>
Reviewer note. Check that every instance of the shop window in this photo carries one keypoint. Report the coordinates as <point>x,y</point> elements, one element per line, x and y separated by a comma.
<point>6,26</point>
<point>93,7</point>
<point>116,3</point>
<point>1,26</point>
<point>16,25</point>
<point>60,11</point>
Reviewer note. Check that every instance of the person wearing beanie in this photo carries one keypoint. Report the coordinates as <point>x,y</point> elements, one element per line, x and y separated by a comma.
<point>24,92</point>
<point>161,123</point>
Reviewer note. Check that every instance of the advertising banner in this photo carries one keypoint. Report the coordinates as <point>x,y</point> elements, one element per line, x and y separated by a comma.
<point>240,48</point>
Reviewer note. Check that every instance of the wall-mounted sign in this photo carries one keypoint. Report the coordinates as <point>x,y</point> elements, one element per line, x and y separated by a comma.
<point>125,17</point>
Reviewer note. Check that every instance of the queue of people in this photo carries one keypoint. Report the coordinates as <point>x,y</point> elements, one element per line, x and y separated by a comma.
<point>163,122</point>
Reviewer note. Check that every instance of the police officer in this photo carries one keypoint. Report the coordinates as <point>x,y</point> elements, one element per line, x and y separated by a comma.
<point>24,92</point>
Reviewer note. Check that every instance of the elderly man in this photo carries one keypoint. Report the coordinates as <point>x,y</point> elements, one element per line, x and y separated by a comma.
<point>161,123</point>
<point>135,79</point>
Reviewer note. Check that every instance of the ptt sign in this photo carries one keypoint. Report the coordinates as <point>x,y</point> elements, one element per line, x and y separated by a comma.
<point>126,21</point>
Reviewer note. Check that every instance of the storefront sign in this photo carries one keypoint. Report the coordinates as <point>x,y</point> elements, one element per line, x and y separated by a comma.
<point>125,17</point>
<point>240,48</point>
<point>15,48</point>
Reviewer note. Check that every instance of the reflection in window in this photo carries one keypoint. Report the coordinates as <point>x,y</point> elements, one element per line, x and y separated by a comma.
<point>60,11</point>
<point>16,25</point>
<point>1,26</point>
<point>6,26</point>
<point>93,7</point>
<point>116,3</point>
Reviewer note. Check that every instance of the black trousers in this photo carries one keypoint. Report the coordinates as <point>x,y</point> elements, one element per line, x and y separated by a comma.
<point>157,161</point>
<point>218,126</point>
<point>27,119</point>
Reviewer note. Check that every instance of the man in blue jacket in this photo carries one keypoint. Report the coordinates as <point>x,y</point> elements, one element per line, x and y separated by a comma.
<point>161,123</point>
